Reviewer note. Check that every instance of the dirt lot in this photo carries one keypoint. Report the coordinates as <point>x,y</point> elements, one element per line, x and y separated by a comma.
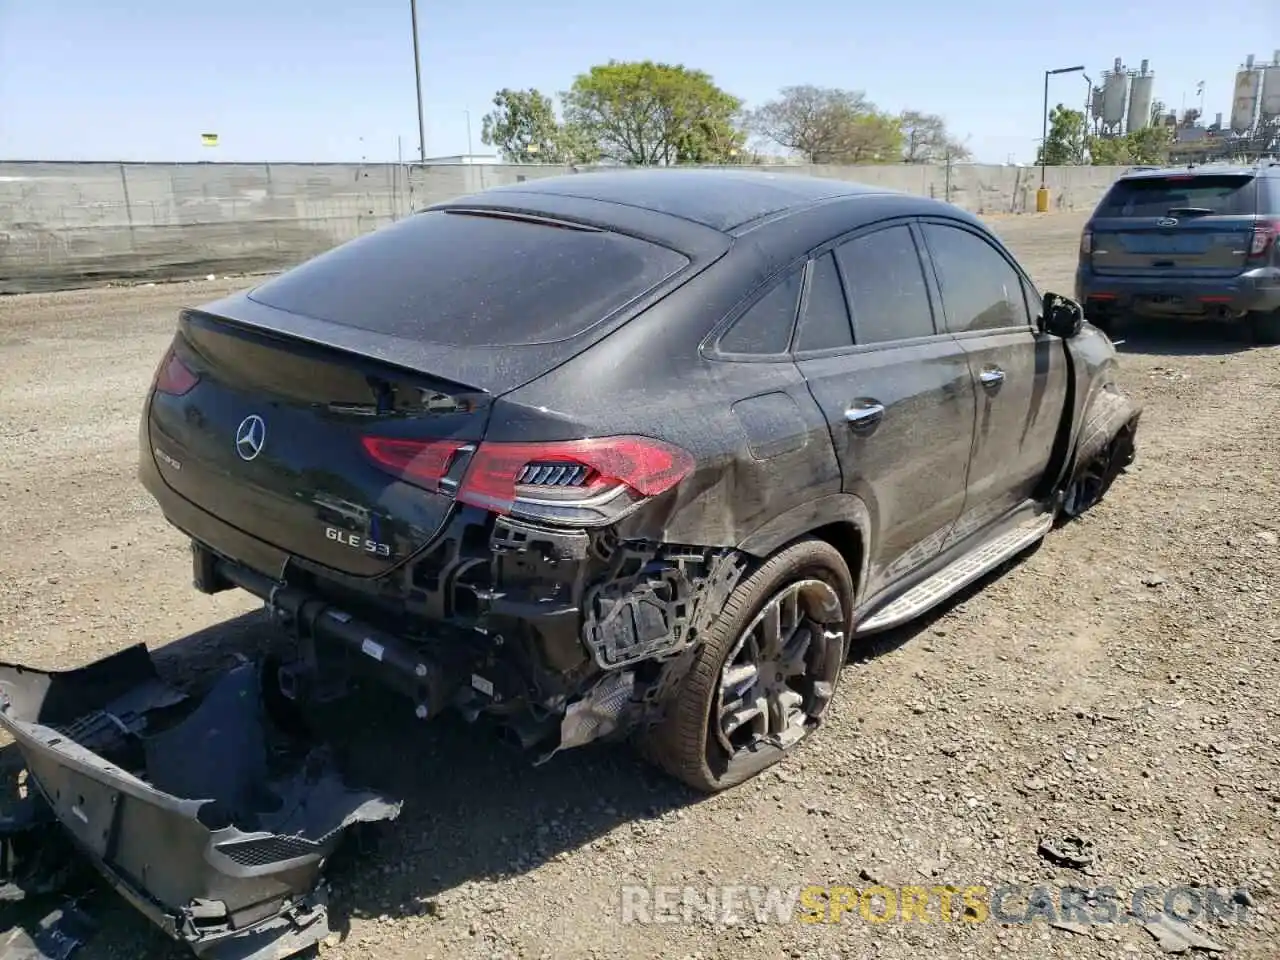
<point>1120,683</point>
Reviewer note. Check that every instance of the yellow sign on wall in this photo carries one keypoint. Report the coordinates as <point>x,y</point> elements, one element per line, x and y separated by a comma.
<point>209,139</point>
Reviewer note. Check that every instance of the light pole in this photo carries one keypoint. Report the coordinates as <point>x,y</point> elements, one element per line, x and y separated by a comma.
<point>417,75</point>
<point>467,113</point>
<point>1088,101</point>
<point>1042,195</point>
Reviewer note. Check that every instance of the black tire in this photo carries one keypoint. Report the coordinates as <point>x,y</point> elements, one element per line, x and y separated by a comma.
<point>683,743</point>
<point>1106,450</point>
<point>1265,328</point>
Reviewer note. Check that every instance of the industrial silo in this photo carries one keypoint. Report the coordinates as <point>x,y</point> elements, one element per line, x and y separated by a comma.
<point>1269,103</point>
<point>1115,88</point>
<point>1244,99</point>
<point>1095,104</point>
<point>1141,87</point>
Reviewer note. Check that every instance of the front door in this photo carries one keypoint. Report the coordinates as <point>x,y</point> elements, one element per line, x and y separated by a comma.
<point>1021,374</point>
<point>896,391</point>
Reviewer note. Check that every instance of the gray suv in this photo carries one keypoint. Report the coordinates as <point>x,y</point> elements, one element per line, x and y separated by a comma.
<point>1188,243</point>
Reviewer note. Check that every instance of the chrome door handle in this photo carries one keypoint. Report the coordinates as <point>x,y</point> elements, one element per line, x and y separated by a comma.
<point>991,377</point>
<point>865,414</point>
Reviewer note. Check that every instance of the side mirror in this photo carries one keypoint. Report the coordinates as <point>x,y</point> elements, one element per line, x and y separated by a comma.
<point>1061,316</point>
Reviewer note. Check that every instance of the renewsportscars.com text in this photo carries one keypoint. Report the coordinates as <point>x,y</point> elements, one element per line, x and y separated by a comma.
<point>944,903</point>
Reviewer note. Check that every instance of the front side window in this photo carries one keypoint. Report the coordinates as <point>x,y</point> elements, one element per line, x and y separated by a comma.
<point>980,289</point>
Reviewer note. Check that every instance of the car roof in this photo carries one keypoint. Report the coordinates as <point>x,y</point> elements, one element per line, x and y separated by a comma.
<point>720,199</point>
<point>1208,170</point>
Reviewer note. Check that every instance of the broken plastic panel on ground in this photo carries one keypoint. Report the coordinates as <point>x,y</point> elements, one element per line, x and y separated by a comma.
<point>202,812</point>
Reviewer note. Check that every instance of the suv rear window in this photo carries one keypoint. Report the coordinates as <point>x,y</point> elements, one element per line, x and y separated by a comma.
<point>1222,194</point>
<point>474,280</point>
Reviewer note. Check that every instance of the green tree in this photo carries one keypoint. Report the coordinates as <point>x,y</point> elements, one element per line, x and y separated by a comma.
<point>829,125</point>
<point>925,139</point>
<point>1066,141</point>
<point>1148,145</point>
<point>524,128</point>
<point>654,113</point>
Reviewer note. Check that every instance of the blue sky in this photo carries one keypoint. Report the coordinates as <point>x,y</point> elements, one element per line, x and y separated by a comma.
<point>327,80</point>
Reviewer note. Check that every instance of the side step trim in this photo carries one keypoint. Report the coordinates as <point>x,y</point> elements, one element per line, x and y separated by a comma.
<point>958,575</point>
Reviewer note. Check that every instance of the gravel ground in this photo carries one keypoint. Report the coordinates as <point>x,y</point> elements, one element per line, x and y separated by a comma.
<point>1119,683</point>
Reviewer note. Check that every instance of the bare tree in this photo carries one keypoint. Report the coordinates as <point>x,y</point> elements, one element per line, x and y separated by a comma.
<point>828,125</point>
<point>925,139</point>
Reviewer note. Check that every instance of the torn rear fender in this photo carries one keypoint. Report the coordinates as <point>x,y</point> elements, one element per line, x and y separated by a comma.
<point>211,821</point>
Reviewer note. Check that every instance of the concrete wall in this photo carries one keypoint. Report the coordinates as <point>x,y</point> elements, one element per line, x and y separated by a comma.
<point>73,224</point>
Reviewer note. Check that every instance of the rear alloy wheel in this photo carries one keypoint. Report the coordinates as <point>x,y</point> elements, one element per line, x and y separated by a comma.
<point>765,673</point>
<point>1266,328</point>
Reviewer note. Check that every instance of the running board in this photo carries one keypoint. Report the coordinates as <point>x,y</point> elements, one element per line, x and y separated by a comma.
<point>958,575</point>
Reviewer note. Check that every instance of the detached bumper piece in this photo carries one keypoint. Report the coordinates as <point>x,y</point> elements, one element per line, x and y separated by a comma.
<point>205,816</point>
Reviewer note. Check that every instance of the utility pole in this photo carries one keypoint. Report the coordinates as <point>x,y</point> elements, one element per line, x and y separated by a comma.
<point>417,74</point>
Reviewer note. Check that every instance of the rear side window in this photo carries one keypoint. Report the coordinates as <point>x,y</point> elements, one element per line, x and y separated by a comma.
<point>825,324</point>
<point>980,289</point>
<point>885,281</point>
<point>467,280</point>
<point>766,327</point>
<point>1223,195</point>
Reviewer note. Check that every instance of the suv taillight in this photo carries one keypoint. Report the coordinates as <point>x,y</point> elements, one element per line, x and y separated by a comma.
<point>582,482</point>
<point>1264,235</point>
<point>1086,242</point>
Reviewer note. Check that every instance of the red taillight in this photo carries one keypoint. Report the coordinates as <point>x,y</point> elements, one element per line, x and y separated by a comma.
<point>419,463</point>
<point>648,467</point>
<point>173,376</point>
<point>1086,242</point>
<point>583,481</point>
<point>1264,235</point>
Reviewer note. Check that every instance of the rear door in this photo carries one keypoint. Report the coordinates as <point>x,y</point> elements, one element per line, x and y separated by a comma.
<point>990,307</point>
<point>1188,225</point>
<point>896,391</point>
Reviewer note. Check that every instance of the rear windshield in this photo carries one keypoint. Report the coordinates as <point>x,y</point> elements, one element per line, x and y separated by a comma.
<point>1169,196</point>
<point>468,280</point>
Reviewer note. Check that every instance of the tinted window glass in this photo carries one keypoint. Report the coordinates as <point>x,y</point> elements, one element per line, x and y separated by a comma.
<point>766,327</point>
<point>980,290</point>
<point>826,318</point>
<point>1169,196</point>
<point>885,280</point>
<point>473,280</point>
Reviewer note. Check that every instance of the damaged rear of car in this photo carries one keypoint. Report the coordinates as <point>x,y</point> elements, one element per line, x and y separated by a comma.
<point>351,442</point>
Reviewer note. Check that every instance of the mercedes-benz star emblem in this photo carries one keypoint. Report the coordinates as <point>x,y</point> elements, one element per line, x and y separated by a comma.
<point>1167,222</point>
<point>250,436</point>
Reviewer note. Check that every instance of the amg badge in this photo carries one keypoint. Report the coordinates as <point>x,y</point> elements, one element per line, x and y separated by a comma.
<point>357,542</point>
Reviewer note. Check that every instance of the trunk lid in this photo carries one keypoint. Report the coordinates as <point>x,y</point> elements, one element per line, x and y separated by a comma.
<point>1186,225</point>
<point>268,439</point>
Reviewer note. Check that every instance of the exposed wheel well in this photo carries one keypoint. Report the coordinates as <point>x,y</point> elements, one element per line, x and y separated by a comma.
<point>847,538</point>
